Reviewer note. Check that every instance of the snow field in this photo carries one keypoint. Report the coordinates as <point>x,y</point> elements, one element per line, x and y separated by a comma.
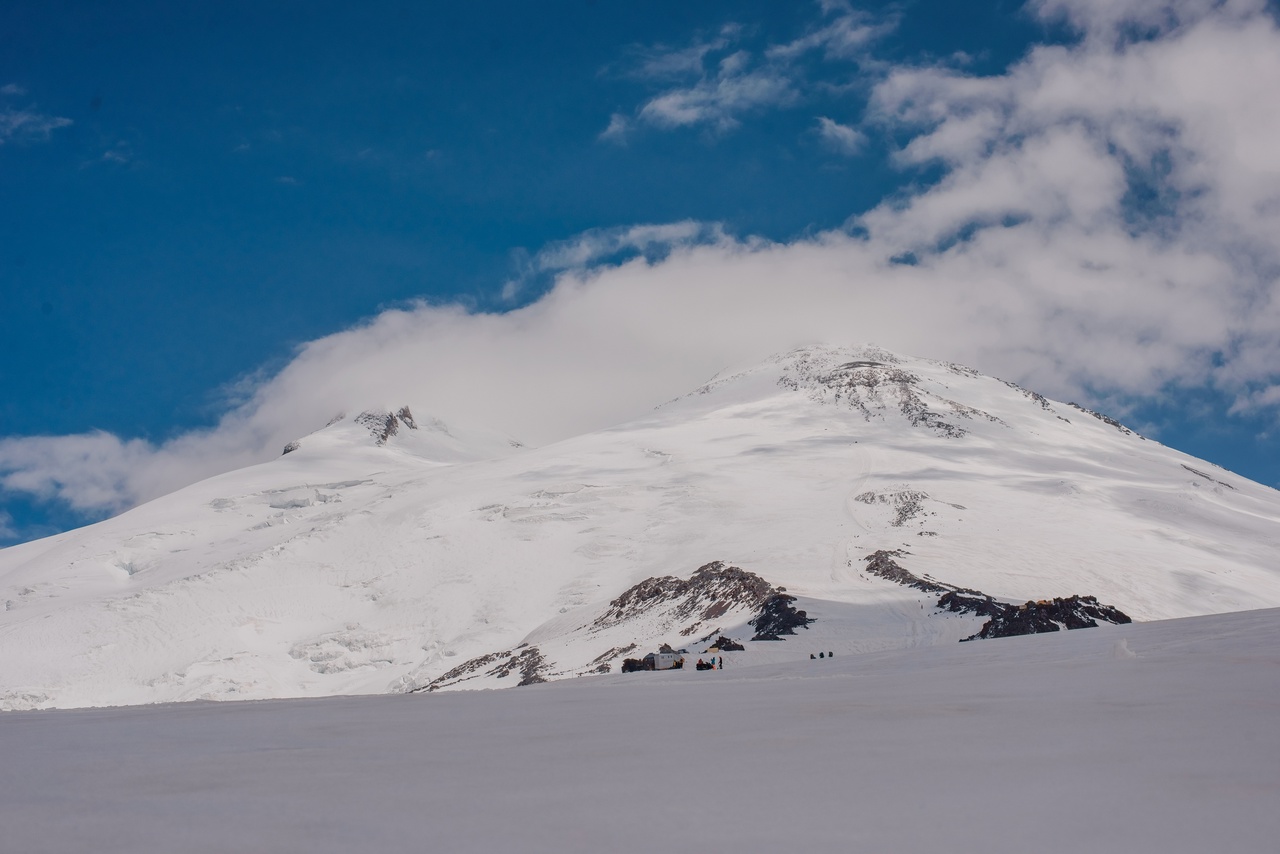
<point>349,567</point>
<point>1147,737</point>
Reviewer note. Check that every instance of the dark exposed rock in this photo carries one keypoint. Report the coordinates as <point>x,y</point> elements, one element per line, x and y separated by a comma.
<point>291,447</point>
<point>882,564</point>
<point>1031,395</point>
<point>1050,615</point>
<point>907,503</point>
<point>1005,620</point>
<point>778,617</point>
<point>467,670</point>
<point>709,593</point>
<point>970,603</point>
<point>602,661</point>
<point>874,385</point>
<point>612,653</point>
<point>406,418</point>
<point>1106,419</point>
<point>725,644</point>
<point>383,425</point>
<point>528,662</point>
<point>1207,477</point>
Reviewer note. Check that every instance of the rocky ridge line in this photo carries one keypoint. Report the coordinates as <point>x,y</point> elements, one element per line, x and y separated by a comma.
<point>1004,619</point>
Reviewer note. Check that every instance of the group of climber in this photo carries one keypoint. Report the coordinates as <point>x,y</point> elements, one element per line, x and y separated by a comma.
<point>710,665</point>
<point>820,655</point>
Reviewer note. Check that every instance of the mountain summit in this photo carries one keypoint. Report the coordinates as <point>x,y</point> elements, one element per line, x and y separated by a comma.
<point>894,501</point>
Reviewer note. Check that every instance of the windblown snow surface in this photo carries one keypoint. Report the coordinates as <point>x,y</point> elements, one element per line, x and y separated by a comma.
<point>1157,737</point>
<point>388,553</point>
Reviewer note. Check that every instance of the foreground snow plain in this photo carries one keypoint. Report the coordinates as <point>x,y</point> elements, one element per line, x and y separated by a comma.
<point>1147,737</point>
<point>353,567</point>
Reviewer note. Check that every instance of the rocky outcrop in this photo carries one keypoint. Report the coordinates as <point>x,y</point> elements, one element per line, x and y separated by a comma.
<point>874,385</point>
<point>382,425</point>
<point>528,662</point>
<point>907,504</point>
<point>1005,619</point>
<point>882,564</point>
<point>1050,615</point>
<point>779,617</point>
<point>1106,419</point>
<point>710,593</point>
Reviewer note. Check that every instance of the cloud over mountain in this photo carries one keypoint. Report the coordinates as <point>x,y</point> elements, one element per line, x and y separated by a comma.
<point>1106,223</point>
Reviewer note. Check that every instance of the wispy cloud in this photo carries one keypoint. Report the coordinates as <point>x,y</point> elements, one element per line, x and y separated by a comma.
<point>1032,258</point>
<point>841,138</point>
<point>734,88</point>
<point>715,82</point>
<point>618,128</point>
<point>1257,400</point>
<point>845,34</point>
<point>658,62</point>
<point>25,124</point>
<point>652,243</point>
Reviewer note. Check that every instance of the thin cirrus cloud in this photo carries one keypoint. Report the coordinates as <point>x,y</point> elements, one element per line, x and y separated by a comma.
<point>846,34</point>
<point>1033,258</point>
<point>715,83</point>
<point>719,99</point>
<point>601,245</point>
<point>25,124</point>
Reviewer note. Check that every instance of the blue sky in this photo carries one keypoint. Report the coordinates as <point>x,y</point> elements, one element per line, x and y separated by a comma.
<point>205,201</point>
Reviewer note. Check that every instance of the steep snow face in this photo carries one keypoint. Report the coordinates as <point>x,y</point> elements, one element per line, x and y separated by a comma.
<point>363,562</point>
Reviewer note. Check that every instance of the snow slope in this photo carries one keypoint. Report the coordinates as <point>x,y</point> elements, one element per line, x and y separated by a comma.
<point>1147,737</point>
<point>365,563</point>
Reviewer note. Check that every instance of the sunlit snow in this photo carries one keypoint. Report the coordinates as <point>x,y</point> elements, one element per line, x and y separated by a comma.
<point>357,564</point>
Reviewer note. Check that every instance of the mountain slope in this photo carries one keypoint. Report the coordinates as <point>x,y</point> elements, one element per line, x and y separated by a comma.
<point>368,563</point>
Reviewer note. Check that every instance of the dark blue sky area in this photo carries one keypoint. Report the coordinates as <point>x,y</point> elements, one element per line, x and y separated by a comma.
<point>243,177</point>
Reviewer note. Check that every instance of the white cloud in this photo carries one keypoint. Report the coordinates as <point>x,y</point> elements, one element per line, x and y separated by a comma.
<point>1266,398</point>
<point>841,138</point>
<point>717,83</point>
<point>1113,19</point>
<point>604,244</point>
<point>662,63</point>
<point>25,124</point>
<point>28,125</point>
<point>1030,260</point>
<point>719,100</point>
<point>846,36</point>
<point>617,130</point>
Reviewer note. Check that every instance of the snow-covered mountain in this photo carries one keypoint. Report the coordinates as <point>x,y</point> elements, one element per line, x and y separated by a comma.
<point>902,502</point>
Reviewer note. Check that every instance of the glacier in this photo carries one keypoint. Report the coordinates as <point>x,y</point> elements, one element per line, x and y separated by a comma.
<point>387,549</point>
